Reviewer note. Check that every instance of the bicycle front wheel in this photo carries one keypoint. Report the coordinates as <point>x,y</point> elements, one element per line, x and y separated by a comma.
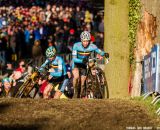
<point>103,83</point>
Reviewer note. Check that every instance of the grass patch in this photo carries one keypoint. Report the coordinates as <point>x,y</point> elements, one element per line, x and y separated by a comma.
<point>151,109</point>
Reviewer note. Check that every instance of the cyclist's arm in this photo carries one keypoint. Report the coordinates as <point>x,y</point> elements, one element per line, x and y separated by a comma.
<point>58,73</point>
<point>44,65</point>
<point>97,50</point>
<point>74,56</point>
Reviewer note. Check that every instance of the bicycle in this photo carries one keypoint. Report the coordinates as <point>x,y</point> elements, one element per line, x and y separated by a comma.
<point>30,83</point>
<point>96,84</point>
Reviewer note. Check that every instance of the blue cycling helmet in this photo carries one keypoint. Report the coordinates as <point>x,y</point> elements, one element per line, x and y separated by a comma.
<point>50,52</point>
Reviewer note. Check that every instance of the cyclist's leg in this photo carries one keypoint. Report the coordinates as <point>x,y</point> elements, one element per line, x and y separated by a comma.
<point>75,81</point>
<point>60,91</point>
<point>57,94</point>
<point>83,79</point>
<point>75,76</point>
<point>47,91</point>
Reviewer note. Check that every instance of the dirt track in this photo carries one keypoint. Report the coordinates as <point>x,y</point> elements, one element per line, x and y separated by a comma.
<point>113,114</point>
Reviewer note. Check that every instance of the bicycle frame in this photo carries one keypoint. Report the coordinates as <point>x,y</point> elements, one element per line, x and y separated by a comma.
<point>101,83</point>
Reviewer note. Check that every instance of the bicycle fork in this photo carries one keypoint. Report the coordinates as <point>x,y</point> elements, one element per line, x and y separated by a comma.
<point>99,82</point>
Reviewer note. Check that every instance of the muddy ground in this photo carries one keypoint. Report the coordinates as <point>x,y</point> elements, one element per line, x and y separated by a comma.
<point>112,114</point>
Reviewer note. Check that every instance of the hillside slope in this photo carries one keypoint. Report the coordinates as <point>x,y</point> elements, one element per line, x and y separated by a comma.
<point>112,114</point>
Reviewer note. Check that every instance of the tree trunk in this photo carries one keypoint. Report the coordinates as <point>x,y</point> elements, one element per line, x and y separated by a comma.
<point>116,43</point>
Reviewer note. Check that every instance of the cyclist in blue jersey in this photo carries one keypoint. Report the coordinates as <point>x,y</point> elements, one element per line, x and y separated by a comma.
<point>80,54</point>
<point>57,73</point>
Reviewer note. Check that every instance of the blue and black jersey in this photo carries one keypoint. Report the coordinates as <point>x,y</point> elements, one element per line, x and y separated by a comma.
<point>58,65</point>
<point>79,52</point>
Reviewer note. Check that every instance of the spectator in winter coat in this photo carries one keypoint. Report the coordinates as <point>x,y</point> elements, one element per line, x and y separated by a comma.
<point>37,34</point>
<point>27,42</point>
<point>37,53</point>
<point>101,26</point>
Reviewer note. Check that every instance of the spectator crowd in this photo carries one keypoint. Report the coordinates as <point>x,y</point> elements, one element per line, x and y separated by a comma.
<point>28,27</point>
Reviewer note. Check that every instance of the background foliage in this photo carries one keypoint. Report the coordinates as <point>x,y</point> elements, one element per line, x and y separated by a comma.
<point>134,18</point>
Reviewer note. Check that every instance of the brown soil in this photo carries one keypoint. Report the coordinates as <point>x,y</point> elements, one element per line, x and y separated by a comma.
<point>112,114</point>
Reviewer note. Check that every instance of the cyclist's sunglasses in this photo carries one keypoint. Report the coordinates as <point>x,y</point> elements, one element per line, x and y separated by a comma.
<point>23,65</point>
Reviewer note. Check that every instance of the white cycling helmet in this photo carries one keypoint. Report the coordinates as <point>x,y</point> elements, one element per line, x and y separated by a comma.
<point>85,35</point>
<point>50,52</point>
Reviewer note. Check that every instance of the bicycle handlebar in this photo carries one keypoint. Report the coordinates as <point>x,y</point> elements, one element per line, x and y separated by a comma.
<point>95,59</point>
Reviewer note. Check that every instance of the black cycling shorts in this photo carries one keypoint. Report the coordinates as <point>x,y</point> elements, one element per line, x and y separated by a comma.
<point>82,68</point>
<point>62,81</point>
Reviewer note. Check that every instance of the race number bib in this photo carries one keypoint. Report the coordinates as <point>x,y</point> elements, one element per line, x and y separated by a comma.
<point>60,67</point>
<point>74,53</point>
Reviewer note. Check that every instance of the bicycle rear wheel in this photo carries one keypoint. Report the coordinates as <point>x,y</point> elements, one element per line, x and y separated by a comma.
<point>20,91</point>
<point>28,89</point>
